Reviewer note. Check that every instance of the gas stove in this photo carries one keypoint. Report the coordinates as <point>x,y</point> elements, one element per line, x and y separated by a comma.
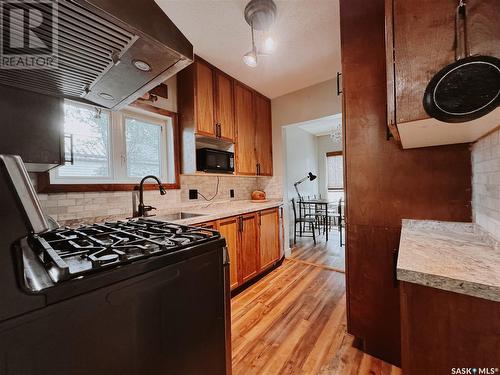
<point>69,253</point>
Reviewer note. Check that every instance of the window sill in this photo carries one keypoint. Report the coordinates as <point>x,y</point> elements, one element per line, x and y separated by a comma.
<point>44,186</point>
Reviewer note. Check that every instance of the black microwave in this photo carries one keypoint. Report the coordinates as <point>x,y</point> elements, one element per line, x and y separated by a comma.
<point>211,160</point>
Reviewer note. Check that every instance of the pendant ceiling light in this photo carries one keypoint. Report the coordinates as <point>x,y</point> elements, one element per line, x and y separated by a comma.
<point>260,15</point>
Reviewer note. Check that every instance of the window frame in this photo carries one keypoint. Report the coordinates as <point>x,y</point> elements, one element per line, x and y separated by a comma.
<point>331,154</point>
<point>44,184</point>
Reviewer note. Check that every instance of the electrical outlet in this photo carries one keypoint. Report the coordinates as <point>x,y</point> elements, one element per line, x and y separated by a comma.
<point>231,193</point>
<point>193,193</point>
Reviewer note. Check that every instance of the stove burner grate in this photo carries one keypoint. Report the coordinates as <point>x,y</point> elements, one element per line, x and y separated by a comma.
<point>70,253</point>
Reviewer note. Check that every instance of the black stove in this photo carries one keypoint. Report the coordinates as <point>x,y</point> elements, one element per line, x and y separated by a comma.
<point>68,253</point>
<point>155,292</point>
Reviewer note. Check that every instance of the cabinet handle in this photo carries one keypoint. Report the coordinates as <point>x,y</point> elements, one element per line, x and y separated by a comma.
<point>240,224</point>
<point>339,91</point>
<point>218,132</point>
<point>71,154</point>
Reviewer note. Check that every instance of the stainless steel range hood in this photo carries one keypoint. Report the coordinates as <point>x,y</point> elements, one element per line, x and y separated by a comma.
<point>100,45</point>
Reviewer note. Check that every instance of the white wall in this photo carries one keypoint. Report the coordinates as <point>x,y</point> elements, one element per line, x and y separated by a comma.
<point>486,183</point>
<point>301,158</point>
<point>324,145</point>
<point>310,103</point>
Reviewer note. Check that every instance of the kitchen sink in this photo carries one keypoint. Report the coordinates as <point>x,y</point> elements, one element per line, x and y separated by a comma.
<point>180,216</point>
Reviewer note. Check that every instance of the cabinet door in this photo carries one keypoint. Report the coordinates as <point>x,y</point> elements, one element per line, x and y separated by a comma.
<point>263,135</point>
<point>224,105</point>
<point>204,93</point>
<point>419,54</point>
<point>32,127</point>
<point>249,247</point>
<point>268,237</point>
<point>229,229</point>
<point>245,127</point>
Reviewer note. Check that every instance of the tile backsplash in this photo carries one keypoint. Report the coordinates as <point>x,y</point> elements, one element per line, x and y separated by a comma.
<point>71,206</point>
<point>486,183</point>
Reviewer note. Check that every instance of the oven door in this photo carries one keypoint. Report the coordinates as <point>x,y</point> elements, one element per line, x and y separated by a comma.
<point>168,321</point>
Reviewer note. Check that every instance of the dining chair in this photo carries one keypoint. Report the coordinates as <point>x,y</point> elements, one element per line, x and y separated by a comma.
<point>299,219</point>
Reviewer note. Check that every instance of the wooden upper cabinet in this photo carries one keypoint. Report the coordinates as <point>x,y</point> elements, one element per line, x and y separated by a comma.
<point>212,104</point>
<point>263,135</point>
<point>224,106</point>
<point>205,115</point>
<point>246,161</point>
<point>249,250</point>
<point>229,229</point>
<point>269,241</point>
<point>420,41</point>
<point>36,134</point>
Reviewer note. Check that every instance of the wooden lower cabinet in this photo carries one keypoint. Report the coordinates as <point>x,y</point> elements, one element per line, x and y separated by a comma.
<point>269,241</point>
<point>253,242</point>
<point>208,225</point>
<point>249,247</point>
<point>229,229</point>
<point>442,331</point>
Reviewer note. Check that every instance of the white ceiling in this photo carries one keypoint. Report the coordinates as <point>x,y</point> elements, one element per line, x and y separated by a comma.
<point>322,126</point>
<point>307,33</point>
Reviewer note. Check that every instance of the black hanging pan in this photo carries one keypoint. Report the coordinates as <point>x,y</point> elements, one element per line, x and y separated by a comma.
<point>467,89</point>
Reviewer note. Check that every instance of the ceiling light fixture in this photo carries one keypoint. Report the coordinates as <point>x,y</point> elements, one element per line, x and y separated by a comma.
<point>250,58</point>
<point>260,15</point>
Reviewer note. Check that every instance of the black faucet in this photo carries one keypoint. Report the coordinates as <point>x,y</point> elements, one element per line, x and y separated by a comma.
<point>142,210</point>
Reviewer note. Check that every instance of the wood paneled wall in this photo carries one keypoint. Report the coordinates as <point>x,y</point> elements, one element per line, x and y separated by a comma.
<point>385,184</point>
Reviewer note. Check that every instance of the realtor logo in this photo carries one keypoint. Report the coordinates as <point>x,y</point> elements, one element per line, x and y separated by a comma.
<point>28,34</point>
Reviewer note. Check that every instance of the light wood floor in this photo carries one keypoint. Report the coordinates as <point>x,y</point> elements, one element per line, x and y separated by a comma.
<point>293,322</point>
<point>328,254</point>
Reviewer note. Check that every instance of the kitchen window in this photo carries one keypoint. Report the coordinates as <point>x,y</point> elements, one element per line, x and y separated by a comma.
<point>114,150</point>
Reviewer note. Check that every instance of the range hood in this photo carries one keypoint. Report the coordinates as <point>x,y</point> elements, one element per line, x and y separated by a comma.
<point>110,52</point>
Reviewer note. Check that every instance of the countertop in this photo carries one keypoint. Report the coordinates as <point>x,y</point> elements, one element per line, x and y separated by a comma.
<point>215,211</point>
<point>457,257</point>
<point>209,210</point>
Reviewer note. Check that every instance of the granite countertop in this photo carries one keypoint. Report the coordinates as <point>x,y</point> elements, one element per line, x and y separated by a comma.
<point>214,211</point>
<point>209,211</point>
<point>457,257</point>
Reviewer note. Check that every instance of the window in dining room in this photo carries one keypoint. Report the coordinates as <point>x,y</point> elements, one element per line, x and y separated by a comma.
<point>335,175</point>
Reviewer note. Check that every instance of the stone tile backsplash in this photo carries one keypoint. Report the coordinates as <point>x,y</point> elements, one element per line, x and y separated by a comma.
<point>70,206</point>
<point>486,183</point>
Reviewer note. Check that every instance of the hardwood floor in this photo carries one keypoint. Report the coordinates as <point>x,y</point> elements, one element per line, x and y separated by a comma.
<point>328,254</point>
<point>293,322</point>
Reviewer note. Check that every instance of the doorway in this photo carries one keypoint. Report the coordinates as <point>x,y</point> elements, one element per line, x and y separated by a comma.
<point>315,187</point>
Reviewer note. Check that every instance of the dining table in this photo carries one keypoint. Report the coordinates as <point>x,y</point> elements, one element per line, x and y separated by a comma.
<point>321,205</point>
